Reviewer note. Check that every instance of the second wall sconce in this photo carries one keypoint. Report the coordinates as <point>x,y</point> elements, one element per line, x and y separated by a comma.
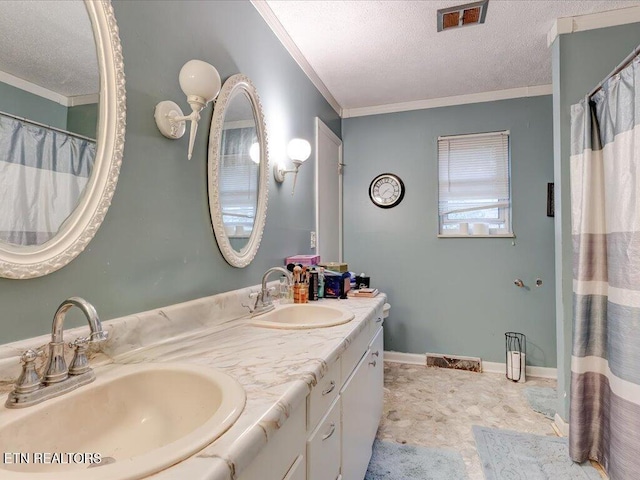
<point>298,151</point>
<point>201,83</point>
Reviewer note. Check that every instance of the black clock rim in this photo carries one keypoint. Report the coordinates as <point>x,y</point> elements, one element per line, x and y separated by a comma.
<point>400,196</point>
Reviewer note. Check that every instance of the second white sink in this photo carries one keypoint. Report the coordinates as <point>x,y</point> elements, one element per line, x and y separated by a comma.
<point>302,316</point>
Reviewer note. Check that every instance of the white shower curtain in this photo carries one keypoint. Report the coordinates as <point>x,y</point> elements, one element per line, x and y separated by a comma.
<point>605,213</point>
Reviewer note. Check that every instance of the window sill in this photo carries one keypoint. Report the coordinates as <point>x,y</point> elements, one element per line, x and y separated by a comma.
<point>497,235</point>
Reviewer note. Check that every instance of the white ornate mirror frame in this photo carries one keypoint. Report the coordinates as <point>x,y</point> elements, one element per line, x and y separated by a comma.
<point>79,228</point>
<point>229,90</point>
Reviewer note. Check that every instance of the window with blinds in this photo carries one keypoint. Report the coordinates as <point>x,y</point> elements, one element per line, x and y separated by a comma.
<point>474,195</point>
<point>238,182</point>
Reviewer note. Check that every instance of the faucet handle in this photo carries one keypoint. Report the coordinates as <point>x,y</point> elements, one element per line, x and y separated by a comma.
<point>80,362</point>
<point>252,296</point>
<point>29,380</point>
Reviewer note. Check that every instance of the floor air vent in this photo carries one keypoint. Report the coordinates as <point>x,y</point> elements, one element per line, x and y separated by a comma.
<point>463,15</point>
<point>471,364</point>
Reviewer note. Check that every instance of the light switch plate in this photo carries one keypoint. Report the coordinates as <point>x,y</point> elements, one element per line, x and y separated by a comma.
<point>313,240</point>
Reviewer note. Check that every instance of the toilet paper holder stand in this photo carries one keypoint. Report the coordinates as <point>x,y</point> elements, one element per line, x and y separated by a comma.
<point>515,356</point>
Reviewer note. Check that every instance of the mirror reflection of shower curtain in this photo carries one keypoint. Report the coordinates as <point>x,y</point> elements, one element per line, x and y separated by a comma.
<point>43,173</point>
<point>605,214</point>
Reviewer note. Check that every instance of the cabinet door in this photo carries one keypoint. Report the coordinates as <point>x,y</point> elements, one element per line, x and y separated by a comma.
<point>362,402</point>
<point>376,379</point>
<point>323,447</point>
<point>356,417</point>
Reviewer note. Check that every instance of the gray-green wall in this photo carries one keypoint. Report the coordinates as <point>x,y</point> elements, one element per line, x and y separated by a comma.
<point>34,107</point>
<point>580,61</point>
<point>156,246</point>
<point>455,295</point>
<point>83,119</point>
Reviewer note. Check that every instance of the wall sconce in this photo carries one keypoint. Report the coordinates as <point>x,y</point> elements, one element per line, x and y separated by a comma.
<point>200,82</point>
<point>298,151</point>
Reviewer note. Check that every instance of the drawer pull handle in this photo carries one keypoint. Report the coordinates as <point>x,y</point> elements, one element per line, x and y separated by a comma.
<point>332,385</point>
<point>373,363</point>
<point>376,353</point>
<point>331,431</point>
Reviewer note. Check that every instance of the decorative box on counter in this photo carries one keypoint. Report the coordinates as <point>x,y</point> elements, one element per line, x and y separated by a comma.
<point>303,259</point>
<point>336,285</point>
<point>335,266</point>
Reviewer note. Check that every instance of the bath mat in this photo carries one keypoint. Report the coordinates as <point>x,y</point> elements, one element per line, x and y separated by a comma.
<point>542,400</point>
<point>393,461</point>
<point>508,455</point>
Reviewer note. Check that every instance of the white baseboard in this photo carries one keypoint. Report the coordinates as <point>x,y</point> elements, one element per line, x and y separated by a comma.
<point>562,425</point>
<point>410,358</point>
<point>540,372</point>
<point>488,367</point>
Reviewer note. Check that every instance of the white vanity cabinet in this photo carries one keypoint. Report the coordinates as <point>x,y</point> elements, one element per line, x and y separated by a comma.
<point>331,438</point>
<point>362,403</point>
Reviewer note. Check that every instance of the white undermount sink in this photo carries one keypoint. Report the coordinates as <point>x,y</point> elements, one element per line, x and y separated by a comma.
<point>139,418</point>
<point>303,316</point>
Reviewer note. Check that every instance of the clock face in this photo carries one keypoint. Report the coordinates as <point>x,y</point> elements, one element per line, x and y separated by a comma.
<point>386,190</point>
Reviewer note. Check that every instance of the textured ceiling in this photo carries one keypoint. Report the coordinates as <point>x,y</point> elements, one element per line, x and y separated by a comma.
<point>50,44</point>
<point>371,53</point>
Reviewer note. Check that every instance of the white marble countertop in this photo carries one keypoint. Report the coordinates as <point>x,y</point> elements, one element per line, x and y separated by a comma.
<point>276,367</point>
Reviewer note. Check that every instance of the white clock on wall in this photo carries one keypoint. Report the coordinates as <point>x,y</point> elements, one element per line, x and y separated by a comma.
<point>386,190</point>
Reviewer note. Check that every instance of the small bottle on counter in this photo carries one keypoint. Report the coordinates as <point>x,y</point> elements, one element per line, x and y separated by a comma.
<point>313,285</point>
<point>321,282</point>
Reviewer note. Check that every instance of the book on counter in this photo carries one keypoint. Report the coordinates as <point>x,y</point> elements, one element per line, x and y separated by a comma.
<point>365,292</point>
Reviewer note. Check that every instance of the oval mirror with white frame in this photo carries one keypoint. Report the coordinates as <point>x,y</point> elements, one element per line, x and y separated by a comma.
<point>62,124</point>
<point>237,171</point>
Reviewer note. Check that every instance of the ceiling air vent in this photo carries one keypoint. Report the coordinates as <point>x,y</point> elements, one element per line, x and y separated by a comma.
<point>469,14</point>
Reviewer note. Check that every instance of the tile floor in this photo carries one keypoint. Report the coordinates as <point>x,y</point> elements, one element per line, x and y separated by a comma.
<point>436,407</point>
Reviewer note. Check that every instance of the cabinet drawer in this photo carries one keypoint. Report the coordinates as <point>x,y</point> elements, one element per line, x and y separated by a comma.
<point>357,349</point>
<point>323,447</point>
<point>323,395</point>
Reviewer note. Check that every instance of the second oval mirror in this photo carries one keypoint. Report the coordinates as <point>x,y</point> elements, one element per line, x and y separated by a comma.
<point>237,171</point>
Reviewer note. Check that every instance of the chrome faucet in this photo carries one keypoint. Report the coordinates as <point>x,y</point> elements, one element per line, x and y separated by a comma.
<point>30,389</point>
<point>264,302</point>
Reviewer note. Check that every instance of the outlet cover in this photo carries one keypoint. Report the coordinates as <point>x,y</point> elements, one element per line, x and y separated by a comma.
<point>312,244</point>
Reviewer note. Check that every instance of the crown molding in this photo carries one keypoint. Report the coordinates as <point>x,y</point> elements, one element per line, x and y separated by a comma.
<point>33,88</point>
<point>272,21</point>
<point>36,89</point>
<point>592,21</point>
<point>83,100</point>
<point>520,92</point>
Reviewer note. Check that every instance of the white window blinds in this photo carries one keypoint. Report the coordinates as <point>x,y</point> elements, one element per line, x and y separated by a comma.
<point>473,179</point>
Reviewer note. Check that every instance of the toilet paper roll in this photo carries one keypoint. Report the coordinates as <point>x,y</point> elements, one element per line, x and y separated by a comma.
<point>516,366</point>
<point>463,229</point>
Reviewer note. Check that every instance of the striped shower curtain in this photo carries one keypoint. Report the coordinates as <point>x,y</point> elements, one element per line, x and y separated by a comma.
<point>43,173</point>
<point>605,215</point>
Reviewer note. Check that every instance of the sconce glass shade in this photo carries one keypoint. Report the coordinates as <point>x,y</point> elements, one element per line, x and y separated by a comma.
<point>200,79</point>
<point>254,153</point>
<point>298,149</point>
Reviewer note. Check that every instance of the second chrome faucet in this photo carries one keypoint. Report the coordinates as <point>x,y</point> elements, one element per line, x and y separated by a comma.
<point>264,302</point>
